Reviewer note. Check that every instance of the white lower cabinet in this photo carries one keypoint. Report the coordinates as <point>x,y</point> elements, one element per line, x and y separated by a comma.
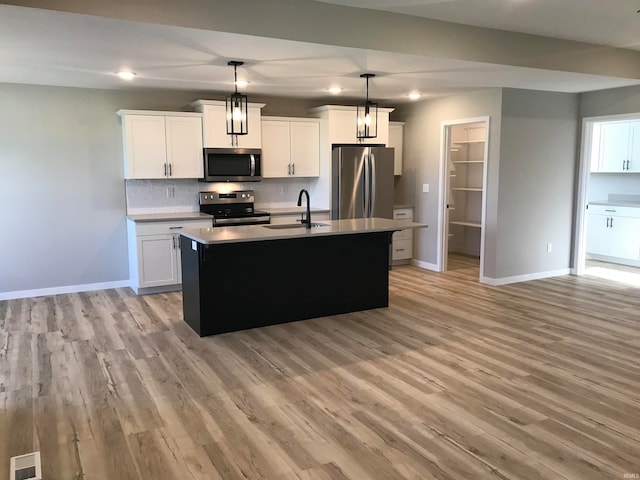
<point>614,232</point>
<point>402,246</point>
<point>154,253</point>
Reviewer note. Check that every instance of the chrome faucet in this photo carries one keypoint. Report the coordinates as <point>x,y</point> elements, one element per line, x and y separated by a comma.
<point>307,221</point>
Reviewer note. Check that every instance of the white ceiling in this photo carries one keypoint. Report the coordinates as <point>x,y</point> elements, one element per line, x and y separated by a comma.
<point>66,49</point>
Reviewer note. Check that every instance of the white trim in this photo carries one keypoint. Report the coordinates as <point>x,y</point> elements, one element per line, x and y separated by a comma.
<point>441,251</point>
<point>425,265</point>
<point>524,278</point>
<point>584,169</point>
<point>40,292</point>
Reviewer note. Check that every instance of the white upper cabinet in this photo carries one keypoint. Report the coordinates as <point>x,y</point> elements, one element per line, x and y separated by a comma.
<point>616,147</point>
<point>396,132</point>
<point>161,144</point>
<point>290,147</point>
<point>341,124</point>
<point>214,124</point>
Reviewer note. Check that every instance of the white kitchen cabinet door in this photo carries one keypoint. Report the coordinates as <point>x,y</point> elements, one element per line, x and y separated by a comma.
<point>402,241</point>
<point>276,152</point>
<point>396,131</point>
<point>343,126</point>
<point>625,238</point>
<point>145,149</point>
<point>634,148</point>
<point>305,149</point>
<point>184,147</point>
<point>157,260</point>
<point>598,234</point>
<point>215,128</point>
<point>290,148</point>
<point>614,146</point>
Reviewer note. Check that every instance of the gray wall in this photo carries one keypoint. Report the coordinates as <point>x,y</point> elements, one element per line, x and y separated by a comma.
<point>610,102</point>
<point>62,193</point>
<point>538,158</point>
<point>422,160</point>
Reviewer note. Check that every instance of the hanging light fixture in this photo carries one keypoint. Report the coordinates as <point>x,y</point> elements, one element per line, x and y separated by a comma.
<point>367,126</point>
<point>236,106</point>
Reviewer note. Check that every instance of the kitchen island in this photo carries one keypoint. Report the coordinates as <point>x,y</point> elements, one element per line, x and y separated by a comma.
<point>234,278</point>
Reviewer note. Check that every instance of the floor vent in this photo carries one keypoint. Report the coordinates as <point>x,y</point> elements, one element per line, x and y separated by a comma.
<point>25,467</point>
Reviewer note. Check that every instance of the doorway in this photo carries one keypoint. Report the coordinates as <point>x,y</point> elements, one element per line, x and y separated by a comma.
<point>607,230</point>
<point>463,179</point>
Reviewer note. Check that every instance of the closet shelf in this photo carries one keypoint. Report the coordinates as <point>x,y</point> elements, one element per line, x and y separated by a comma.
<point>467,224</point>
<point>464,142</point>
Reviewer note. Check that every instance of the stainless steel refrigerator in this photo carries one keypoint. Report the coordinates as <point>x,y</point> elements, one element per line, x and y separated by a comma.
<point>362,183</point>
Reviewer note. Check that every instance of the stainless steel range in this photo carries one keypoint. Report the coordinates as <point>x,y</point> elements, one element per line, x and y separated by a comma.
<point>232,208</point>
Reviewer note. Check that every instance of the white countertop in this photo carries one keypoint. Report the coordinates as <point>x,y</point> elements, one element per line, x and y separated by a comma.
<point>253,233</point>
<point>610,203</point>
<point>161,217</point>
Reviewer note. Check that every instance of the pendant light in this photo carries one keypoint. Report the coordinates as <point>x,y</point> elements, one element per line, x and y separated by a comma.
<point>236,106</point>
<point>367,115</point>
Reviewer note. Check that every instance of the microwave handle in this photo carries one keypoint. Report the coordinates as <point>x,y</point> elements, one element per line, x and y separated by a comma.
<point>253,165</point>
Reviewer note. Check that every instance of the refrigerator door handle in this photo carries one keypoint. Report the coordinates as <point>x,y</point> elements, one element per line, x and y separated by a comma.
<point>372,188</point>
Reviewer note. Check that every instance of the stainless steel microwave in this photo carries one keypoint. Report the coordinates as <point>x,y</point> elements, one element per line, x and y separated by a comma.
<point>232,165</point>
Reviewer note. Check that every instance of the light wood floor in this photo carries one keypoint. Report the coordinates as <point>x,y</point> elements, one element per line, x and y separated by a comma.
<point>455,380</point>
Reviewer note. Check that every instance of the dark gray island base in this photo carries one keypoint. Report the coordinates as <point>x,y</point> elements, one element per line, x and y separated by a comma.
<point>235,286</point>
<point>234,278</point>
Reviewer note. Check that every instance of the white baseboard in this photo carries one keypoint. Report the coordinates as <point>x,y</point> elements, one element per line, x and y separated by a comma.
<point>40,292</point>
<point>524,278</point>
<point>426,265</point>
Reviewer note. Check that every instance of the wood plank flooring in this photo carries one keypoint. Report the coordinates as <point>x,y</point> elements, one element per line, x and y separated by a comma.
<point>455,380</point>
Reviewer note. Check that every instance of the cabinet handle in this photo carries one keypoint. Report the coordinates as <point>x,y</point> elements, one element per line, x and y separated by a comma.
<point>178,243</point>
<point>165,169</point>
<point>293,169</point>
<point>289,169</point>
<point>175,228</point>
<point>607,222</point>
<point>169,169</point>
<point>628,165</point>
<point>612,211</point>
<point>611,224</point>
<point>401,214</point>
<point>399,249</point>
<point>173,242</point>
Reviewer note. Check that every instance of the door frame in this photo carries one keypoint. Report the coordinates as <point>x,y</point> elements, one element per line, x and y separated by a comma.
<point>443,220</point>
<point>584,169</point>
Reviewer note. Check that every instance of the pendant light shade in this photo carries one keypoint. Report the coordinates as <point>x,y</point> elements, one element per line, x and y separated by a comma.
<point>367,115</point>
<point>236,107</point>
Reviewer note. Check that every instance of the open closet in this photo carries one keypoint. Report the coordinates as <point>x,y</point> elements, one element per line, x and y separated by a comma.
<point>466,152</point>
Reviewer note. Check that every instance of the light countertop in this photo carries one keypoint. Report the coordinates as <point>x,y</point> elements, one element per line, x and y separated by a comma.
<point>252,233</point>
<point>168,217</point>
<point>609,203</point>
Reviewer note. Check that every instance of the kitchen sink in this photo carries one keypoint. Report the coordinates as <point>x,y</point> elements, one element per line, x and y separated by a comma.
<point>294,225</point>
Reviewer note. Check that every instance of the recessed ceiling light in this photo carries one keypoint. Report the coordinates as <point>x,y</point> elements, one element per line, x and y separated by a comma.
<point>126,75</point>
<point>414,95</point>
<point>335,90</point>
<point>242,83</point>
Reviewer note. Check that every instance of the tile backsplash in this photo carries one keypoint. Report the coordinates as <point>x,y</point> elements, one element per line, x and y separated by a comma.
<point>181,195</point>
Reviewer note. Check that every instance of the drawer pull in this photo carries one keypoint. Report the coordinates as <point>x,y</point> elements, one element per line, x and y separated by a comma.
<point>399,249</point>
<point>175,228</point>
<point>610,211</point>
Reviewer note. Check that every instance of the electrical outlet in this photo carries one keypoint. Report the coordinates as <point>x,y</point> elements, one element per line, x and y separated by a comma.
<point>171,192</point>
<point>549,248</point>
<point>425,188</point>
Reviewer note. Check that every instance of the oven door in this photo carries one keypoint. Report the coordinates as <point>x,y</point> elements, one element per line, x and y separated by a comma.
<point>232,165</point>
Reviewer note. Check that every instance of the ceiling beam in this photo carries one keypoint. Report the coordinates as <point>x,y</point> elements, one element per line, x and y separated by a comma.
<point>328,24</point>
